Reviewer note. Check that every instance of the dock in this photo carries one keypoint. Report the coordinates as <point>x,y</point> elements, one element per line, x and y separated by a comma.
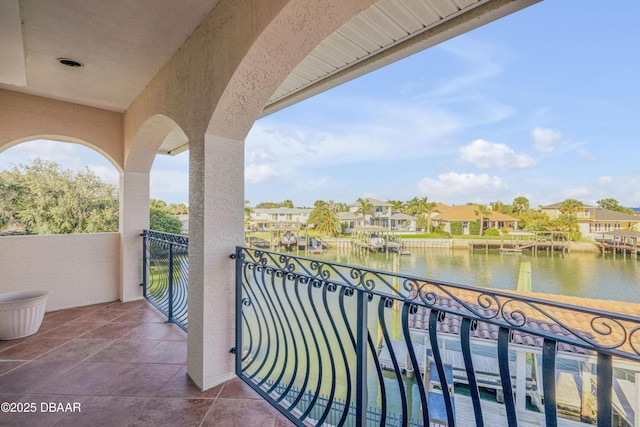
<point>619,241</point>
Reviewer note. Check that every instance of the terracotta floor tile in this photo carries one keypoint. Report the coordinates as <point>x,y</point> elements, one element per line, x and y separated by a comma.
<point>31,349</point>
<point>238,389</point>
<point>158,331</point>
<point>77,349</point>
<point>110,330</point>
<point>142,316</point>
<point>180,385</point>
<point>8,365</point>
<point>113,379</point>
<point>124,351</point>
<point>68,314</point>
<point>172,412</point>
<point>105,411</point>
<point>240,412</point>
<point>72,329</point>
<point>33,375</point>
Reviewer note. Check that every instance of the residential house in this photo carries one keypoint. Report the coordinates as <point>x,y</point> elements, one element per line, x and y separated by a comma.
<point>467,214</point>
<point>266,219</point>
<point>593,220</point>
<point>383,217</point>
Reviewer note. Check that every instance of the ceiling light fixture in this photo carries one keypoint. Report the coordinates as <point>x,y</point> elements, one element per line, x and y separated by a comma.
<point>70,62</point>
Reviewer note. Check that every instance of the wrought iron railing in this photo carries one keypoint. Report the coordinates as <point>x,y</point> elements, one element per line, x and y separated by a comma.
<point>332,344</point>
<point>165,274</point>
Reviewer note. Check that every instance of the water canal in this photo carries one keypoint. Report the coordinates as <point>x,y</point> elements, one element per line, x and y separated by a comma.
<point>581,274</point>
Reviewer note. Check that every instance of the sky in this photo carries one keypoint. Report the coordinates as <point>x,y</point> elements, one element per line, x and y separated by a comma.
<point>543,104</point>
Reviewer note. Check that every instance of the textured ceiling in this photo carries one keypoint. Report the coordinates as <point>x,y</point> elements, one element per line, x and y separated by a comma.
<point>124,43</point>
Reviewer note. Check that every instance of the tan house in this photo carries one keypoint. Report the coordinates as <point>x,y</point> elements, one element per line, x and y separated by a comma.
<point>594,220</point>
<point>467,214</point>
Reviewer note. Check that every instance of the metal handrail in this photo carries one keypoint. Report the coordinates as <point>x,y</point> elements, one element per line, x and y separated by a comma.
<point>307,327</point>
<point>165,274</point>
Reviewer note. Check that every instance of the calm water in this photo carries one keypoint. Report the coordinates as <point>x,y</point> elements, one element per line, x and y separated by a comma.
<point>589,275</point>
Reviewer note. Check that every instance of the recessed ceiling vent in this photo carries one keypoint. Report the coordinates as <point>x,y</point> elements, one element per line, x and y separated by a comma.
<point>70,63</point>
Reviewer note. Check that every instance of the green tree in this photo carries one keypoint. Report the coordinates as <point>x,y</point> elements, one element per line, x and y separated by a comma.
<point>178,209</point>
<point>520,204</point>
<point>483,211</point>
<point>248,210</point>
<point>397,205</point>
<point>49,200</point>
<point>162,220</point>
<point>570,206</point>
<point>365,208</point>
<point>613,205</point>
<point>326,221</point>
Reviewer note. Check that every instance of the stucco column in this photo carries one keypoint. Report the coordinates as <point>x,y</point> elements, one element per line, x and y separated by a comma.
<point>134,217</point>
<point>216,203</point>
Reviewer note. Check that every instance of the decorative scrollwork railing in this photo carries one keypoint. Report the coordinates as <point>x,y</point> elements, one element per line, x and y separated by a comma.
<point>325,341</point>
<point>165,274</point>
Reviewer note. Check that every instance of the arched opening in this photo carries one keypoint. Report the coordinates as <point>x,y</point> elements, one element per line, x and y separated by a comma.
<point>57,185</point>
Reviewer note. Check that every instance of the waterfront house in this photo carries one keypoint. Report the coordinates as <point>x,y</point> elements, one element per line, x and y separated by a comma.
<point>594,220</point>
<point>267,219</point>
<point>383,217</point>
<point>466,214</point>
<point>134,79</point>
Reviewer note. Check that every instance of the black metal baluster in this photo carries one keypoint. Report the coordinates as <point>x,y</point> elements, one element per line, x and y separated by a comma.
<point>347,292</point>
<point>345,371</point>
<point>170,314</point>
<point>362,333</point>
<point>604,390</point>
<point>465,340</point>
<point>382,304</point>
<point>434,317</point>
<point>505,375</point>
<point>406,310</point>
<point>144,264</point>
<point>549,351</point>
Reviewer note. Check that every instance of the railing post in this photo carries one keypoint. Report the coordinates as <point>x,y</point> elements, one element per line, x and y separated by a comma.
<point>239,302</point>
<point>144,264</point>
<point>605,385</point>
<point>170,314</point>
<point>361,359</point>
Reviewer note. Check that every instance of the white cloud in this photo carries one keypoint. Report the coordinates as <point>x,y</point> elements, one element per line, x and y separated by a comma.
<point>491,155</point>
<point>546,140</point>
<point>172,186</point>
<point>453,187</point>
<point>604,180</point>
<point>256,174</point>
<point>106,173</point>
<point>577,193</point>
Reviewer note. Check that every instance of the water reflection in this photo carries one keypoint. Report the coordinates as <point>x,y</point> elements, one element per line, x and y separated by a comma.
<point>590,275</point>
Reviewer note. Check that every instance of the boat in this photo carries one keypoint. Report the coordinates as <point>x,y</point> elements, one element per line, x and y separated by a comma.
<point>289,240</point>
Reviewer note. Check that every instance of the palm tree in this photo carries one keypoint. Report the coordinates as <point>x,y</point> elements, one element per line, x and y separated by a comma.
<point>365,208</point>
<point>484,212</point>
<point>327,222</point>
<point>429,208</point>
<point>570,206</point>
<point>520,204</point>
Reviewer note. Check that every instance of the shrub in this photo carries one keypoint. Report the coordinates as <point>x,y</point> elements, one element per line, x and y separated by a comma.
<point>456,229</point>
<point>492,232</point>
<point>474,228</point>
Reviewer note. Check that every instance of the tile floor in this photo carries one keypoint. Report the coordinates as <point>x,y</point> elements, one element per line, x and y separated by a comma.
<point>122,365</point>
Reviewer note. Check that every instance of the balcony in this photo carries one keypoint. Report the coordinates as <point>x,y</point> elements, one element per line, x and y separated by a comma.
<point>120,364</point>
<point>320,343</point>
<point>341,345</point>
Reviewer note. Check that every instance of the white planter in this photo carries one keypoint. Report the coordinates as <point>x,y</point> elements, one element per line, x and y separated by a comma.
<point>21,313</point>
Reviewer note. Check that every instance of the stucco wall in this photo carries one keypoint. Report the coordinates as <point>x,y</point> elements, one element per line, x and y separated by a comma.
<point>80,269</point>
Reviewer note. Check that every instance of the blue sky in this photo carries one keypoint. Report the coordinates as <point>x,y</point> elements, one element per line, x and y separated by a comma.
<point>543,104</point>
